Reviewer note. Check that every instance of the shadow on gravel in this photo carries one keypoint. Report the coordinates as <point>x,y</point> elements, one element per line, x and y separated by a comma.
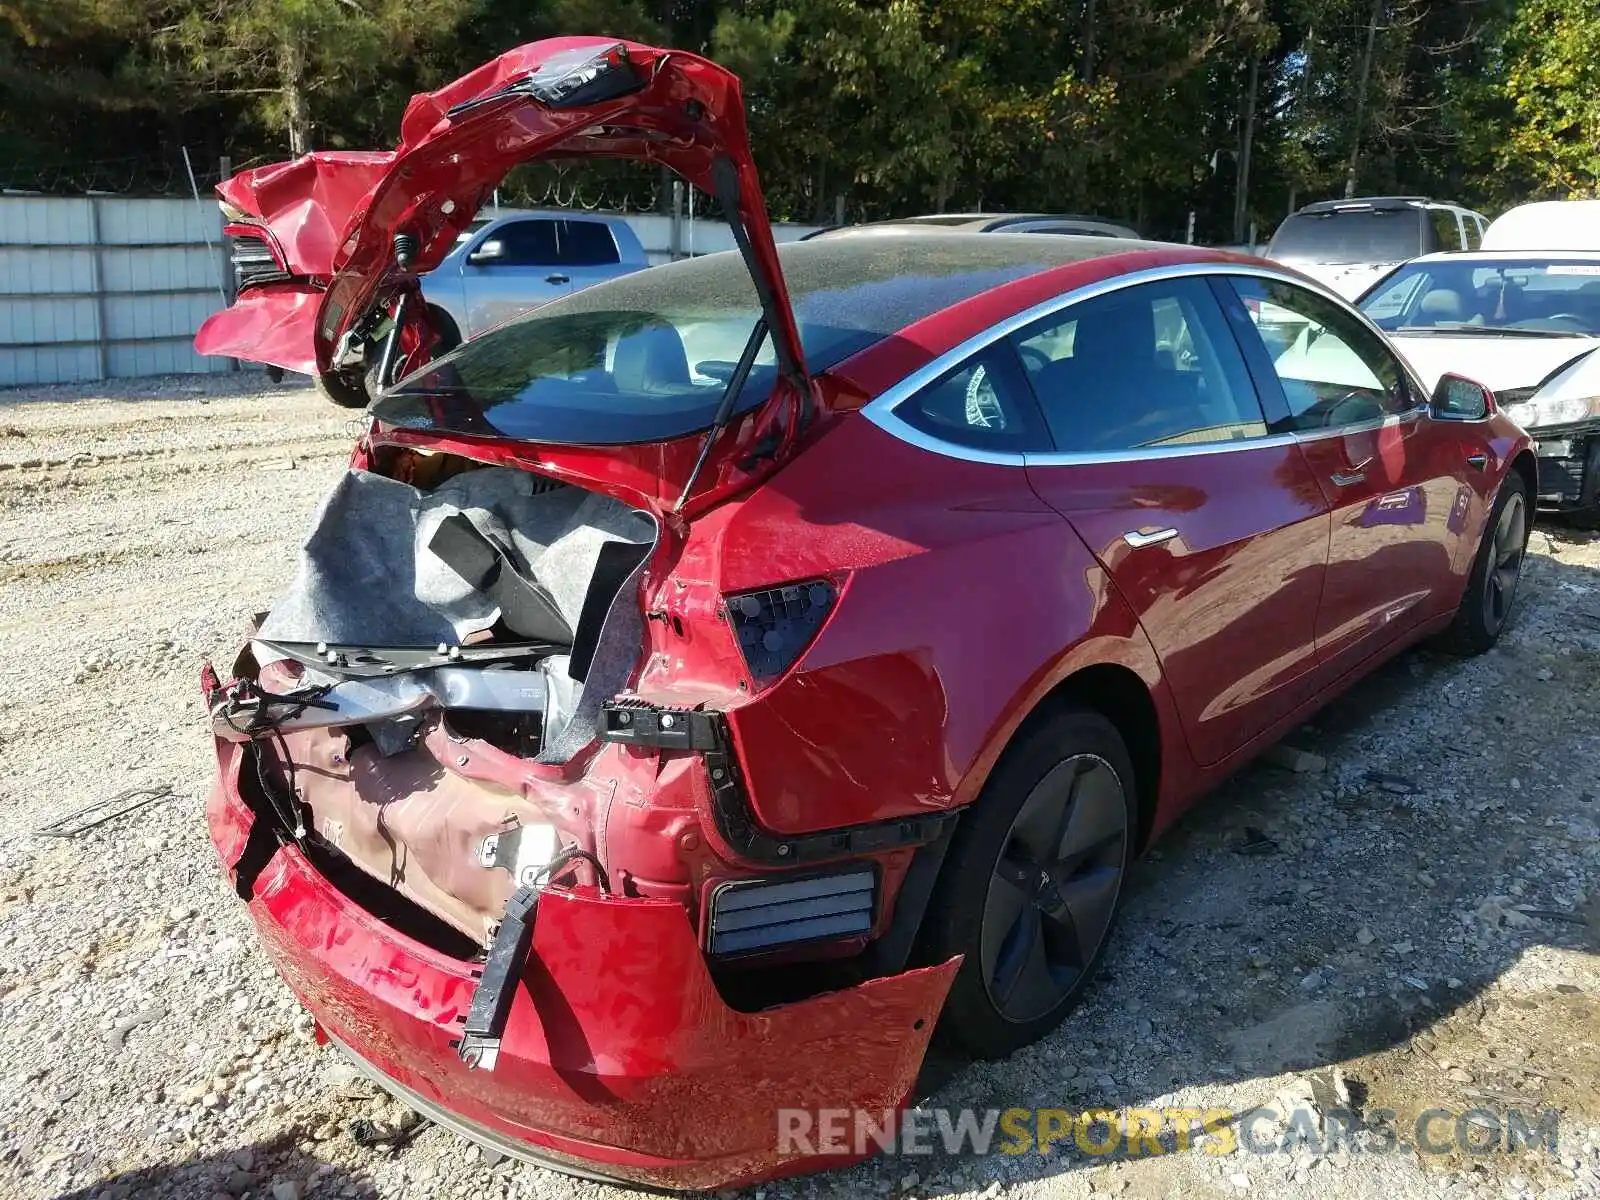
<point>251,1170</point>
<point>1361,916</point>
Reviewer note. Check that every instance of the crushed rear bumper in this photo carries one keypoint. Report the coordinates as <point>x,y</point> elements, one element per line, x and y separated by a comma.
<point>620,1061</point>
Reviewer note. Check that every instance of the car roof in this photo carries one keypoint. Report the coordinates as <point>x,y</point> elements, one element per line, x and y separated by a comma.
<point>549,214</point>
<point>876,281</point>
<point>994,219</point>
<point>1357,203</point>
<point>1548,225</point>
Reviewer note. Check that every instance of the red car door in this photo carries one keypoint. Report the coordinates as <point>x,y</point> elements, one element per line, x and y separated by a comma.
<point>1395,481</point>
<point>1214,530</point>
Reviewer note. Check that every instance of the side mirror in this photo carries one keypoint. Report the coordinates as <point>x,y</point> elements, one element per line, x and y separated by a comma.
<point>491,250</point>
<point>1457,398</point>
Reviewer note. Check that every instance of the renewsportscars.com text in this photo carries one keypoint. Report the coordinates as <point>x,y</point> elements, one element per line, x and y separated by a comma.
<point>1144,1132</point>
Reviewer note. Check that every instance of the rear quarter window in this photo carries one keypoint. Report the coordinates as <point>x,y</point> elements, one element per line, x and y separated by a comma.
<point>1446,233</point>
<point>983,404</point>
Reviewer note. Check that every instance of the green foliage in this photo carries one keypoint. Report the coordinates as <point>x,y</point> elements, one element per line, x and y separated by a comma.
<point>1550,60</point>
<point>1130,108</point>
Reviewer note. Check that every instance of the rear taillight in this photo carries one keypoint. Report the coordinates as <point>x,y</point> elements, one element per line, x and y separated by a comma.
<point>253,260</point>
<point>774,625</point>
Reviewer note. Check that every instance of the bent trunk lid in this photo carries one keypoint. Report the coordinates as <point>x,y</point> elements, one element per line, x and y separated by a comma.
<point>331,219</point>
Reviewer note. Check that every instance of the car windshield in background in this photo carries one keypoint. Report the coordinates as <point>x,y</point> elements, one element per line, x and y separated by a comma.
<point>648,356</point>
<point>1365,235</point>
<point>1509,297</point>
<point>467,234</point>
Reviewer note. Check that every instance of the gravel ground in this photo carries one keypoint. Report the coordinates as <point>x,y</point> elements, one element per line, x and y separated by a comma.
<point>1367,915</point>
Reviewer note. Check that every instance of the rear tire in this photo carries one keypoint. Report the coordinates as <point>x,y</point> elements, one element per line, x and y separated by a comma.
<point>1491,589</point>
<point>344,390</point>
<point>1031,885</point>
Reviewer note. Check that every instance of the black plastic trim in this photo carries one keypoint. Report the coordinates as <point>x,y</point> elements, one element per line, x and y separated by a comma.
<point>891,952</point>
<point>639,723</point>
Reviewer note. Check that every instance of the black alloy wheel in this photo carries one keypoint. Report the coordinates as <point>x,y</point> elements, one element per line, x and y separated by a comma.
<point>1054,888</point>
<point>1029,889</point>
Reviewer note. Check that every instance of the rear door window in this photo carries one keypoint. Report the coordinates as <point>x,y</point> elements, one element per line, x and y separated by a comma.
<point>1147,366</point>
<point>1446,229</point>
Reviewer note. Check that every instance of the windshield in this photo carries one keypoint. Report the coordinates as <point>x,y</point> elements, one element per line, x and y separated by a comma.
<point>647,356</point>
<point>1478,296</point>
<point>466,234</point>
<point>1365,235</point>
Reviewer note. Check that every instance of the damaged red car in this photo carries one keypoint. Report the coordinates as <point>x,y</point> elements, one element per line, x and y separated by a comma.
<point>700,691</point>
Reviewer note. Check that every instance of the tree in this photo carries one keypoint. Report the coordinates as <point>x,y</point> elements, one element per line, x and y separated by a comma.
<point>300,63</point>
<point>1550,62</point>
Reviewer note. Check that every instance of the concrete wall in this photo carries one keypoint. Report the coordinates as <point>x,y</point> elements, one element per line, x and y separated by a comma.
<point>96,287</point>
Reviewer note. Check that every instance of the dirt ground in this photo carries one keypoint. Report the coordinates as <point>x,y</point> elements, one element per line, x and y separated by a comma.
<point>1412,914</point>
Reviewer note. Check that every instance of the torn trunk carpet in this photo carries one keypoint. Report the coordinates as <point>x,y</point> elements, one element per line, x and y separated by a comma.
<point>389,565</point>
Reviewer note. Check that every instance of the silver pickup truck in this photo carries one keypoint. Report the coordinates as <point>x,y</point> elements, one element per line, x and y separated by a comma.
<point>505,265</point>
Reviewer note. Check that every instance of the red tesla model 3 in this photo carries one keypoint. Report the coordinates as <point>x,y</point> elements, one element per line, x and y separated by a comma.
<point>700,690</point>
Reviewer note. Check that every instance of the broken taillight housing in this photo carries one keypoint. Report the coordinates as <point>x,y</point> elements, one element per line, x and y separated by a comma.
<point>775,624</point>
<point>253,258</point>
<point>571,79</point>
<point>582,77</point>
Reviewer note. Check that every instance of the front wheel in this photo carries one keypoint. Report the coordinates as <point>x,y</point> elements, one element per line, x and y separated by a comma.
<point>1496,572</point>
<point>1032,881</point>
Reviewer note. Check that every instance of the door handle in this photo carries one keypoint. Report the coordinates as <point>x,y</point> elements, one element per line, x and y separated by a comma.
<point>1347,478</point>
<point>1139,540</point>
<point>1477,461</point>
<point>558,278</point>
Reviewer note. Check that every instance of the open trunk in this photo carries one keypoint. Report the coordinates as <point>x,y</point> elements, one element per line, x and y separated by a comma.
<point>472,613</point>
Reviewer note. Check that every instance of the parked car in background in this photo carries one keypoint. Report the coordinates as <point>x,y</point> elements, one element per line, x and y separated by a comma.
<point>497,268</point>
<point>1547,225</point>
<point>1080,226</point>
<point>503,266</point>
<point>1526,324</point>
<point>651,615</point>
<point>1349,244</point>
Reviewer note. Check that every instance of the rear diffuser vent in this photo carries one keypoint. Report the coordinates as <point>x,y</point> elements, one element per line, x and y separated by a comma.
<point>758,914</point>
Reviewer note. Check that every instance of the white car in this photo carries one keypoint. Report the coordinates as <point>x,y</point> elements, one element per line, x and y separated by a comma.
<point>1349,244</point>
<point>1527,325</point>
<point>1547,225</point>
